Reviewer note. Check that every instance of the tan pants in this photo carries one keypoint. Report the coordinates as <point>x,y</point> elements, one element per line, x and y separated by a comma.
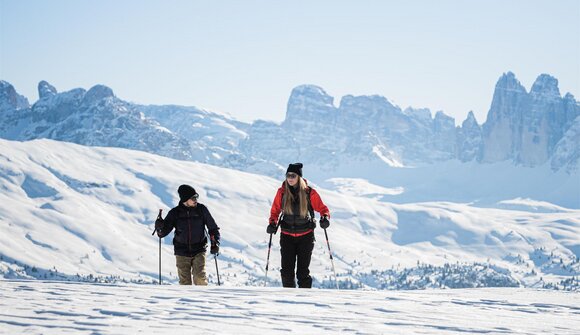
<point>185,266</point>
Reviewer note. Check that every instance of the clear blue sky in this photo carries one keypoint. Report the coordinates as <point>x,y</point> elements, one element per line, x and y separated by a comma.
<point>244,57</point>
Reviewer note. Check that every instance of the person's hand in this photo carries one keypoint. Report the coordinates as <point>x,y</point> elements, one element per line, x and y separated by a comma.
<point>215,249</point>
<point>272,228</point>
<point>215,242</point>
<point>324,223</point>
<point>159,225</point>
<point>214,237</point>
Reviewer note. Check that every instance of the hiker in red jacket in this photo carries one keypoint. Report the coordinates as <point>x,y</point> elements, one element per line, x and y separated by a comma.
<point>297,203</point>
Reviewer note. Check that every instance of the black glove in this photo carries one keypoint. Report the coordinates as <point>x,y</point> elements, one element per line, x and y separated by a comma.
<point>272,228</point>
<point>214,237</point>
<point>215,249</point>
<point>324,223</point>
<point>159,225</point>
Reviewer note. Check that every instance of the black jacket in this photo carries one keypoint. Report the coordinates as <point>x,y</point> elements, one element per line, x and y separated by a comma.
<point>189,224</point>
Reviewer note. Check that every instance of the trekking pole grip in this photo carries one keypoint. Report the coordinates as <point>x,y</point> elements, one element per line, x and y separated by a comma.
<point>158,217</point>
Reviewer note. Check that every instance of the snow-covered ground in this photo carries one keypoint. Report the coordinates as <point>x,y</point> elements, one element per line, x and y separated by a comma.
<point>43,307</point>
<point>86,213</point>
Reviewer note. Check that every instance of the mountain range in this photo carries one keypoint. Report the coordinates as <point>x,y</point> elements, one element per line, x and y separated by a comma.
<point>528,129</point>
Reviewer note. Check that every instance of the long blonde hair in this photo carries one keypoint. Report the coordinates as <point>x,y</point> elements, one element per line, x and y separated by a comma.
<point>289,198</point>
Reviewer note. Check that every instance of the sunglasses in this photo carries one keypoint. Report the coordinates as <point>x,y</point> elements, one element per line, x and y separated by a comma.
<point>291,175</point>
<point>194,197</point>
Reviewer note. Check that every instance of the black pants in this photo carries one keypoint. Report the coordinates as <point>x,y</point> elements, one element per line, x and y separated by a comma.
<point>296,250</point>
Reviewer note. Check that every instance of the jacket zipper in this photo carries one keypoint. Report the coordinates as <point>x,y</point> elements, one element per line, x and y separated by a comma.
<point>189,232</point>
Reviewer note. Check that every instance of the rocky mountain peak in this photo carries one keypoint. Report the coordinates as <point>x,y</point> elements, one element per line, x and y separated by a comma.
<point>46,90</point>
<point>423,114</point>
<point>308,102</point>
<point>569,97</point>
<point>442,116</point>
<point>509,82</point>
<point>96,93</point>
<point>369,101</point>
<point>470,121</point>
<point>9,98</point>
<point>7,95</point>
<point>310,93</point>
<point>545,86</point>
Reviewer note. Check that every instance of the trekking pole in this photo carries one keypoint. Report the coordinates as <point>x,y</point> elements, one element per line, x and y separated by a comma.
<point>160,261</point>
<point>216,269</point>
<point>211,238</point>
<point>154,230</point>
<point>331,259</point>
<point>268,260</point>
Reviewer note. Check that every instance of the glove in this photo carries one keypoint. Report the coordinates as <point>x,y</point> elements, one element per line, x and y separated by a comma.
<point>215,243</point>
<point>272,228</point>
<point>324,223</point>
<point>215,249</point>
<point>159,225</point>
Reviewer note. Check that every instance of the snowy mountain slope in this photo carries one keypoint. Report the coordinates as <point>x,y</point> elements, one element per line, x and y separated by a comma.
<point>215,137</point>
<point>53,307</point>
<point>90,211</point>
<point>469,182</point>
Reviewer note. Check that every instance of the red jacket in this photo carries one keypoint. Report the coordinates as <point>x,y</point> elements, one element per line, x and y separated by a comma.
<point>315,201</point>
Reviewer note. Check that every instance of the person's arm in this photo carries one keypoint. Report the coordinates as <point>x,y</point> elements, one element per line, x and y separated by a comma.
<point>212,227</point>
<point>275,212</point>
<point>321,208</point>
<point>276,207</point>
<point>168,224</point>
<point>317,204</point>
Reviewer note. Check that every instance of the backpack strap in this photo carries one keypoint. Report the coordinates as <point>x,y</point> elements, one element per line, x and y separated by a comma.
<point>310,209</point>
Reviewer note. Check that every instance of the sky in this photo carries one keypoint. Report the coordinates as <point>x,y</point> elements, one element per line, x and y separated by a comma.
<point>243,58</point>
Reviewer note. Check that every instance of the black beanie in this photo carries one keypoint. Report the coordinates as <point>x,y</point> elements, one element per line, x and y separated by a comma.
<point>185,192</point>
<point>296,168</point>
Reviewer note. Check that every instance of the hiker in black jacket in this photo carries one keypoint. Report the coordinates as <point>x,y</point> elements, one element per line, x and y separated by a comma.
<point>189,219</point>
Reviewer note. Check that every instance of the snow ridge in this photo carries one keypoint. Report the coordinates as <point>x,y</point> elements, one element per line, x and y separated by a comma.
<point>86,213</point>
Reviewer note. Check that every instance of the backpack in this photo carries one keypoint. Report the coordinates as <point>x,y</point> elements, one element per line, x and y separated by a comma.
<point>310,209</point>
